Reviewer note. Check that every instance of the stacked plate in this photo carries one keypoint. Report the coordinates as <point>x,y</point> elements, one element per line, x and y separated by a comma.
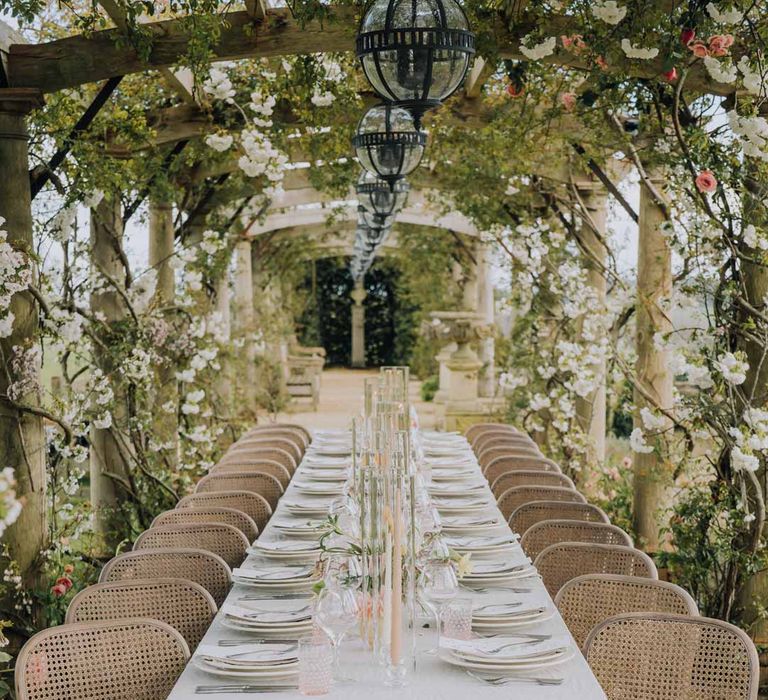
<point>311,489</point>
<point>503,545</point>
<point>506,654</point>
<point>491,573</point>
<point>274,664</point>
<point>286,619</point>
<point>288,551</point>
<point>461,504</point>
<point>512,613</point>
<point>285,578</point>
<point>469,524</point>
<point>307,508</point>
<point>311,529</point>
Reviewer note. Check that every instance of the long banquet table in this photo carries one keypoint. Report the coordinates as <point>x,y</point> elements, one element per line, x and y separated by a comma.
<point>434,679</point>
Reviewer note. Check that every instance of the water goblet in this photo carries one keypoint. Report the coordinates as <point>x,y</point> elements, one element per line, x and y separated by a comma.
<point>336,614</point>
<point>438,585</point>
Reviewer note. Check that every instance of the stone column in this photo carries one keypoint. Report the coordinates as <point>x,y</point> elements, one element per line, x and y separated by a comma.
<point>486,308</point>
<point>444,376</point>
<point>591,410</point>
<point>110,446</point>
<point>161,240</point>
<point>652,473</point>
<point>22,443</point>
<point>223,387</point>
<point>358,324</point>
<point>244,321</point>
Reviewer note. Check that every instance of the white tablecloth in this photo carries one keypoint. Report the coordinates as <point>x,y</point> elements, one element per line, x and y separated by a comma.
<point>433,680</point>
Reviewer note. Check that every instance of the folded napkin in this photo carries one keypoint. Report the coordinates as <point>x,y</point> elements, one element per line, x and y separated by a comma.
<point>520,648</point>
<point>511,610</point>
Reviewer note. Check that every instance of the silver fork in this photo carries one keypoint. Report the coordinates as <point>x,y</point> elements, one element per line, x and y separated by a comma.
<point>529,640</point>
<point>505,680</point>
<point>211,689</point>
<point>240,642</point>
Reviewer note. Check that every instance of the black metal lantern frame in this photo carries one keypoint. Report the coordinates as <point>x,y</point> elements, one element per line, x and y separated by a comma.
<point>379,198</point>
<point>416,67</point>
<point>388,143</point>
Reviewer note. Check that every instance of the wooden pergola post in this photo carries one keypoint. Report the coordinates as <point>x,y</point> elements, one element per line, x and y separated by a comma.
<point>654,378</point>
<point>486,307</point>
<point>161,242</point>
<point>244,319</point>
<point>358,324</point>
<point>110,448</point>
<point>22,442</point>
<point>591,410</point>
<point>223,386</point>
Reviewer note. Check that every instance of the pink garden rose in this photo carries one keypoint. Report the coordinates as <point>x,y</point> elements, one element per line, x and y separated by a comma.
<point>568,100</point>
<point>687,36</point>
<point>706,181</point>
<point>59,590</point>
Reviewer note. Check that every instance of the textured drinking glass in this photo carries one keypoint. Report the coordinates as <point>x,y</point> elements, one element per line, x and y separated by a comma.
<point>457,619</point>
<point>315,665</point>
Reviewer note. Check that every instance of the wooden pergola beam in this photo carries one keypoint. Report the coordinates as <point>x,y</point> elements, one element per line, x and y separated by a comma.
<point>76,60</point>
<point>66,63</point>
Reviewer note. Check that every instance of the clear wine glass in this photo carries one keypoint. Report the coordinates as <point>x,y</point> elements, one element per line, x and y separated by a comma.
<point>438,585</point>
<point>336,614</point>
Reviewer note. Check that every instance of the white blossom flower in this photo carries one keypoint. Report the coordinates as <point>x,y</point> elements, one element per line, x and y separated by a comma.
<point>733,369</point>
<point>752,133</point>
<point>637,442</point>
<point>187,376</point>
<point>195,396</point>
<point>652,421</point>
<point>189,409</point>
<point>741,461</point>
<point>632,51</point>
<point>322,99</point>
<point>93,199</point>
<point>721,71</point>
<point>219,142</point>
<point>609,11</point>
<point>6,324</point>
<point>539,401</point>
<point>538,51</point>
<point>754,82</point>
<point>730,16</point>
<point>508,381</point>
<point>103,422</point>
<point>699,376</point>
<point>753,238</point>
<point>219,86</point>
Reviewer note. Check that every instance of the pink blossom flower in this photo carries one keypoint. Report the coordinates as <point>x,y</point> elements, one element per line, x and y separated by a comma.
<point>626,462</point>
<point>59,590</point>
<point>64,581</point>
<point>706,181</point>
<point>699,49</point>
<point>687,36</point>
<point>574,43</point>
<point>568,100</point>
<point>671,75</point>
<point>720,43</point>
<point>602,63</point>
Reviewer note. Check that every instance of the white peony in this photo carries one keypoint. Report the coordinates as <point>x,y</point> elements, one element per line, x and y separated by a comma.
<point>541,50</point>
<point>632,51</point>
<point>637,442</point>
<point>609,11</point>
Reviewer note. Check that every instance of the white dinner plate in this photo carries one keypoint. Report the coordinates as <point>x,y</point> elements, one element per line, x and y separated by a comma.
<point>454,659</point>
<point>512,622</point>
<point>202,665</point>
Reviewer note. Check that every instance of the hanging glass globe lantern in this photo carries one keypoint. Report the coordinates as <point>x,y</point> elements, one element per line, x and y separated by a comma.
<point>373,221</point>
<point>387,142</point>
<point>378,197</point>
<point>415,52</point>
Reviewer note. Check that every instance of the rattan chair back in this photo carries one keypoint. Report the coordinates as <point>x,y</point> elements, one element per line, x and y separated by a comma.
<point>252,504</point>
<point>587,600</point>
<point>211,514</point>
<point>273,454</point>
<point>266,466</point>
<point>256,482</point>
<point>267,443</point>
<point>530,477</point>
<point>184,605</point>
<point>198,565</point>
<point>222,539</point>
<point>654,656</point>
<point>531,513</point>
<point>513,498</point>
<point>539,536</point>
<point>509,463</point>
<point>561,562</point>
<point>474,431</point>
<point>137,658</point>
